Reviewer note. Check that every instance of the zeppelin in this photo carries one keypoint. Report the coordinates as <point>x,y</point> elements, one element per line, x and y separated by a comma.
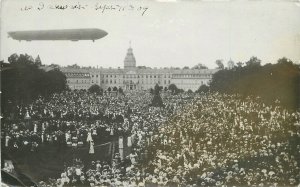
<point>64,34</point>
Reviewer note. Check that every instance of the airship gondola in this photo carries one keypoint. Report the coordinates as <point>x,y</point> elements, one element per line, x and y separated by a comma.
<point>62,34</point>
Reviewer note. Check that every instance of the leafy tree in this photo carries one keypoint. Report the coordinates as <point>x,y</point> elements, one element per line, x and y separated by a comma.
<point>220,64</point>
<point>165,89</point>
<point>96,89</point>
<point>157,89</point>
<point>186,67</point>
<point>121,91</point>
<point>203,88</point>
<point>38,61</point>
<point>115,89</point>
<point>151,90</point>
<point>23,81</point>
<point>271,82</point>
<point>74,66</point>
<point>157,100</point>
<point>54,66</point>
<point>190,91</point>
<point>200,66</point>
<point>109,89</point>
<point>230,64</point>
<point>254,61</point>
<point>173,88</point>
<point>285,61</point>
<point>180,91</point>
<point>239,64</point>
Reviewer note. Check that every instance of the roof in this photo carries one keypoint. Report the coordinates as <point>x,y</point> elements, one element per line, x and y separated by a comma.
<point>138,71</point>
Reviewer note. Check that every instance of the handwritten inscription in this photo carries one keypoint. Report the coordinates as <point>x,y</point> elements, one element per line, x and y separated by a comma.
<point>100,7</point>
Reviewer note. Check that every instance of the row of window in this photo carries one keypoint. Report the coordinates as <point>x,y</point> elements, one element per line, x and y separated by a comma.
<point>115,82</point>
<point>77,74</point>
<point>78,81</point>
<point>191,75</point>
<point>132,76</point>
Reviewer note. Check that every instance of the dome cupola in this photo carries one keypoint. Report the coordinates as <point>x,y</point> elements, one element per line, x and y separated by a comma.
<point>129,61</point>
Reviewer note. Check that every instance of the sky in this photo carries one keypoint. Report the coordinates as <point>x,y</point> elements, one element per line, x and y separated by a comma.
<point>170,33</point>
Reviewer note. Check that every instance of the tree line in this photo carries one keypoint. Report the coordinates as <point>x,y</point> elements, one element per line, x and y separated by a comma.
<point>23,79</point>
<point>271,82</point>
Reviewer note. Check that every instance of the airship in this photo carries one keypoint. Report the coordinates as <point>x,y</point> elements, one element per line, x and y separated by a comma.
<point>62,34</point>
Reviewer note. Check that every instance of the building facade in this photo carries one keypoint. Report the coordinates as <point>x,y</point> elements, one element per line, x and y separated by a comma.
<point>132,77</point>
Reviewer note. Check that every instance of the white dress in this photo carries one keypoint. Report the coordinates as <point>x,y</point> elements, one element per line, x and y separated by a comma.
<point>129,144</point>
<point>91,151</point>
<point>89,137</point>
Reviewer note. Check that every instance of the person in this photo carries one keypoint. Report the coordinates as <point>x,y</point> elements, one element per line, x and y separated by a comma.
<point>91,151</point>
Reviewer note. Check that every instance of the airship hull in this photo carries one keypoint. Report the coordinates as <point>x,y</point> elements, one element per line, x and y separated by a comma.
<point>65,34</point>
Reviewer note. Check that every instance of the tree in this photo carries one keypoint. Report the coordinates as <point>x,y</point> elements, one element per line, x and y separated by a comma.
<point>56,81</point>
<point>74,66</point>
<point>173,88</point>
<point>96,89</point>
<point>220,64</point>
<point>200,66</point>
<point>151,90</point>
<point>284,60</point>
<point>157,89</point>
<point>186,67</point>
<point>203,88</point>
<point>239,64</point>
<point>165,89</point>
<point>271,82</point>
<point>115,89</point>
<point>109,89</point>
<point>180,91</point>
<point>190,91</point>
<point>54,66</point>
<point>157,100</point>
<point>253,61</point>
<point>120,91</point>
<point>230,64</point>
<point>24,81</point>
<point>13,58</point>
<point>38,61</point>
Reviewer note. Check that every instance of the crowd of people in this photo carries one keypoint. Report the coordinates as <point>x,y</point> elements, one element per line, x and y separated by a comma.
<point>195,140</point>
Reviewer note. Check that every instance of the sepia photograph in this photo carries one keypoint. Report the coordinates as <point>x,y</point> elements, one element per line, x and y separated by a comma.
<point>150,93</point>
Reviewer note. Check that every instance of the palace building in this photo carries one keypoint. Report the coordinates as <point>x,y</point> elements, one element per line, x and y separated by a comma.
<point>132,77</point>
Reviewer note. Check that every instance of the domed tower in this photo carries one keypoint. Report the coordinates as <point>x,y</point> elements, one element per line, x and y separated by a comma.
<point>129,61</point>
